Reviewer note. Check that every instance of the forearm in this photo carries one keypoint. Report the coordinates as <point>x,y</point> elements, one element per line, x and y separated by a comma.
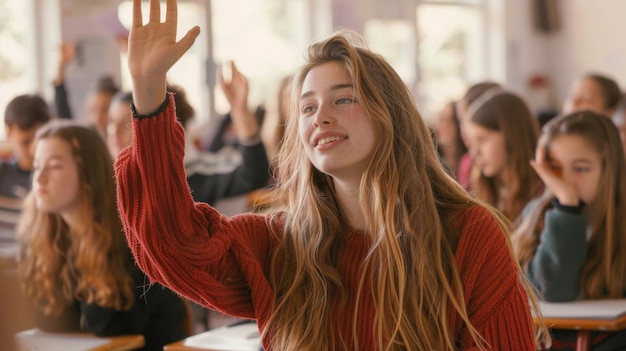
<point>149,94</point>
<point>182,245</point>
<point>555,267</point>
<point>153,196</point>
<point>511,325</point>
<point>61,101</point>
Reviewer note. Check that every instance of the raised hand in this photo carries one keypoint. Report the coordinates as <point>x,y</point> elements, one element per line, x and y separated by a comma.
<point>67,52</point>
<point>152,51</point>
<point>553,180</point>
<point>236,88</point>
<point>236,92</point>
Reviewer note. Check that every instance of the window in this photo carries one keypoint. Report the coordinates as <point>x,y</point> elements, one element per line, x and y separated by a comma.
<point>265,39</point>
<point>14,57</point>
<point>189,71</point>
<point>452,51</point>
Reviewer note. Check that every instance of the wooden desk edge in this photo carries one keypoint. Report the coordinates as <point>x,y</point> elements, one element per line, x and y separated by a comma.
<point>586,324</point>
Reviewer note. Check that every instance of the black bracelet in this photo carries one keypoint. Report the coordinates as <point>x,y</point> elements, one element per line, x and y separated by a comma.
<point>575,210</point>
<point>157,112</point>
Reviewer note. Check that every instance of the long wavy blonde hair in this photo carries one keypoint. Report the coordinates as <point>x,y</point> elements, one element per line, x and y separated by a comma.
<point>88,261</point>
<point>410,204</point>
<point>603,274</point>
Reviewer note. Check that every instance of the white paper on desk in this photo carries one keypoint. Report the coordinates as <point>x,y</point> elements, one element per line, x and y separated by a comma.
<point>36,340</point>
<point>240,337</point>
<point>584,309</point>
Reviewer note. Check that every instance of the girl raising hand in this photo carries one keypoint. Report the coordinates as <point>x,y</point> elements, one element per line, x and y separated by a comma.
<point>371,245</point>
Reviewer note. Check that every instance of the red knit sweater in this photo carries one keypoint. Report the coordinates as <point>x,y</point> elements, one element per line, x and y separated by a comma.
<point>194,250</point>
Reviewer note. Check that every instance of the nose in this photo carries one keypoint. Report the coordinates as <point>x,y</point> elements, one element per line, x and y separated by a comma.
<point>567,176</point>
<point>323,117</point>
<point>473,151</point>
<point>39,176</point>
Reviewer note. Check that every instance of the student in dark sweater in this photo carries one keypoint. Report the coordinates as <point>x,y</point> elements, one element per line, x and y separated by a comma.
<point>211,176</point>
<point>23,116</point>
<point>571,240</point>
<point>74,264</point>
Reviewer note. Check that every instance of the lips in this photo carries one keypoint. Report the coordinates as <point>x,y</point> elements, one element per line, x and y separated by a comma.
<point>329,139</point>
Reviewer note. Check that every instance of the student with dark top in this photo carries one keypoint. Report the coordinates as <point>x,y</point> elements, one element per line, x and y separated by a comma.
<point>74,264</point>
<point>371,244</point>
<point>211,176</point>
<point>23,116</point>
<point>571,241</point>
<point>97,101</point>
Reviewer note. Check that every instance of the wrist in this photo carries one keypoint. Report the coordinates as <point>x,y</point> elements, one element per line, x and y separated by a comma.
<point>251,140</point>
<point>148,95</point>
<point>151,114</point>
<point>572,209</point>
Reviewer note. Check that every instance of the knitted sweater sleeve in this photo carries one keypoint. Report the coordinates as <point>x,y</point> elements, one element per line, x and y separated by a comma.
<point>496,301</point>
<point>188,247</point>
<point>559,258</point>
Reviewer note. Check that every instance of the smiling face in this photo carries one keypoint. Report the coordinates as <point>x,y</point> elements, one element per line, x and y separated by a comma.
<point>577,162</point>
<point>55,177</point>
<point>337,134</point>
<point>488,149</point>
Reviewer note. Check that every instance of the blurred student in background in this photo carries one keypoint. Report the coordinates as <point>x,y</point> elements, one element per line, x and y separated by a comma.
<point>503,135</point>
<point>472,93</point>
<point>619,119</point>
<point>97,101</point>
<point>74,263</point>
<point>571,240</point>
<point>448,139</point>
<point>593,92</point>
<point>23,116</point>
<point>211,176</point>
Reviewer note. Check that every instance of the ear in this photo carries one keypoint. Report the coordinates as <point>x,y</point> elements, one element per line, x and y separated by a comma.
<point>7,129</point>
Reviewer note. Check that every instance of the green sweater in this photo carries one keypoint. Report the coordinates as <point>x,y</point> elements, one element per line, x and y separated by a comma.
<point>555,268</point>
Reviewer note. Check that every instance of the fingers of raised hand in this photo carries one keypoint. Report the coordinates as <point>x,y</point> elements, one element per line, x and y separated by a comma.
<point>137,15</point>
<point>155,11</point>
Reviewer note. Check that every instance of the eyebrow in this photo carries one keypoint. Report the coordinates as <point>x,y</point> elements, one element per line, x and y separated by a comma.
<point>53,158</point>
<point>332,88</point>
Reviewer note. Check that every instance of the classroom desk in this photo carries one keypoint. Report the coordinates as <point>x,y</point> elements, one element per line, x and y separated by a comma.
<point>33,339</point>
<point>585,317</point>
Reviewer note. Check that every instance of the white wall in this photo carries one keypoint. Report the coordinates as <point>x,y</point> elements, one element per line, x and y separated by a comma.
<point>592,37</point>
<point>87,25</point>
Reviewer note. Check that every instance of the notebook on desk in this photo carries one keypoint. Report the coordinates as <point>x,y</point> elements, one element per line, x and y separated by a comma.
<point>36,340</point>
<point>241,336</point>
<point>585,309</point>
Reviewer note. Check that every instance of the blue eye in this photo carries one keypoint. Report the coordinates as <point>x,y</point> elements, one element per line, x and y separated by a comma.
<point>307,109</point>
<point>345,101</point>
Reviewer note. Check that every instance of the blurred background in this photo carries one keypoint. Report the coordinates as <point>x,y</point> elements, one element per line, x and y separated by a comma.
<point>439,47</point>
